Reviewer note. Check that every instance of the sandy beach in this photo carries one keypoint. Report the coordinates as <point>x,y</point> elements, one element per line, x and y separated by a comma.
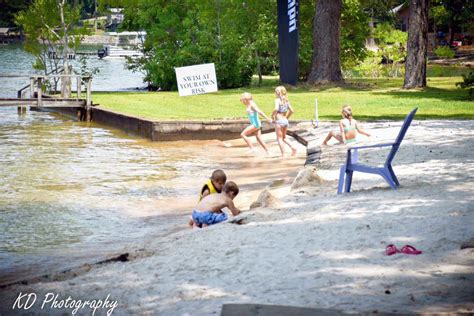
<point>309,247</point>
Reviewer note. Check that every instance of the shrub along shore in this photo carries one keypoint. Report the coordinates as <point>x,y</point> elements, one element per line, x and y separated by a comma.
<point>371,99</point>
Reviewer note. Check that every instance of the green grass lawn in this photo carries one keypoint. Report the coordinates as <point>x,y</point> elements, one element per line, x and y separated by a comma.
<point>371,99</point>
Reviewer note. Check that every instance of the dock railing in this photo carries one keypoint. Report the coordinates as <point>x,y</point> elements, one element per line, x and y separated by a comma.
<point>35,89</point>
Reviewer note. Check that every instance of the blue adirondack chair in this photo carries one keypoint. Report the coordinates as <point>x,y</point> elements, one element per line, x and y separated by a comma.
<point>386,171</point>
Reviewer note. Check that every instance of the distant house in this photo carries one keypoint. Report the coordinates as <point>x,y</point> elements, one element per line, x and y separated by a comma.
<point>402,13</point>
<point>97,22</point>
<point>114,18</point>
<point>4,31</point>
<point>402,17</point>
<point>8,34</point>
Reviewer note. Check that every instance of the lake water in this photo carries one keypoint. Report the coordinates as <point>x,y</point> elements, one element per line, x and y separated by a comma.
<point>68,187</point>
<point>112,74</point>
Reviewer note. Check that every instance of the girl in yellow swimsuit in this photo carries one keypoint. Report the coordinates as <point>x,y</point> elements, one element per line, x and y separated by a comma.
<point>348,128</point>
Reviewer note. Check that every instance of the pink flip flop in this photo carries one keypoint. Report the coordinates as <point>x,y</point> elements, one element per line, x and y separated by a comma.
<point>391,250</point>
<point>410,250</point>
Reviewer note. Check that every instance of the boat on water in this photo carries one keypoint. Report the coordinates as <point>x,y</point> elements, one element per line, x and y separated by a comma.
<point>124,41</point>
<point>109,51</point>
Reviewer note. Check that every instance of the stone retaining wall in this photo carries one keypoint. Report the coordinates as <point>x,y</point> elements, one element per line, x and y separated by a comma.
<point>166,130</point>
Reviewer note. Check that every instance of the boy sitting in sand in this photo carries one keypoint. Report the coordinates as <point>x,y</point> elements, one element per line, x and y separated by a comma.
<point>209,209</point>
<point>214,184</point>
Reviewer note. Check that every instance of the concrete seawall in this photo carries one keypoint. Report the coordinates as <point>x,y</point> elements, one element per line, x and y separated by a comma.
<point>167,130</point>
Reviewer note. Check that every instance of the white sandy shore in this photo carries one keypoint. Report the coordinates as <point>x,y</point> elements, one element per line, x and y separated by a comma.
<point>316,249</point>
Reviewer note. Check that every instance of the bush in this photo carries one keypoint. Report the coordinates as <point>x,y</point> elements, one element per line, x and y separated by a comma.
<point>444,52</point>
<point>468,82</point>
<point>372,67</point>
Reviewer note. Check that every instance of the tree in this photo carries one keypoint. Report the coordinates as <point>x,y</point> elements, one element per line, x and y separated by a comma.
<point>8,10</point>
<point>256,21</point>
<point>326,66</point>
<point>51,33</point>
<point>453,14</point>
<point>415,66</point>
<point>391,43</point>
<point>354,32</point>
<point>380,11</point>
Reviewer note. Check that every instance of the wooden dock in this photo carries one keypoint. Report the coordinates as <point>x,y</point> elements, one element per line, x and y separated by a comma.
<point>38,99</point>
<point>46,102</point>
<point>311,136</point>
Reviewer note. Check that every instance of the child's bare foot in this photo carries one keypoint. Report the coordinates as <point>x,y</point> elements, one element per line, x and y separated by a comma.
<point>293,151</point>
<point>191,222</point>
<point>251,151</point>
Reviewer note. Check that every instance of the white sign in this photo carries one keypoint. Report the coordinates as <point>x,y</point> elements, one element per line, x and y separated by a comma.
<point>196,79</point>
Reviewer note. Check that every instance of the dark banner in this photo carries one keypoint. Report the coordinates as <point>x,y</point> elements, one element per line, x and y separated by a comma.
<point>288,40</point>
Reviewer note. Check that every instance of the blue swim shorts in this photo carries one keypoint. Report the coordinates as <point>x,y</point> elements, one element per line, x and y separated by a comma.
<point>208,218</point>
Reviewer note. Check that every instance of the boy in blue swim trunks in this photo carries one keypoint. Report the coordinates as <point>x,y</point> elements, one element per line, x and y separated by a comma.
<point>209,210</point>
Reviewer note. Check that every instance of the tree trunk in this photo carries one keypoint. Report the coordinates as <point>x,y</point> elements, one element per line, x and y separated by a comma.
<point>415,66</point>
<point>451,33</point>
<point>326,64</point>
<point>370,42</point>
<point>259,69</point>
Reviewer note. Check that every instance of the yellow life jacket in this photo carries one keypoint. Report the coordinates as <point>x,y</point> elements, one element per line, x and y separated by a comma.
<point>208,185</point>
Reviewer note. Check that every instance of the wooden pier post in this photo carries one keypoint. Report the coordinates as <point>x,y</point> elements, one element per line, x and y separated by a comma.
<point>88,99</point>
<point>21,110</point>
<point>79,87</point>
<point>32,87</point>
<point>40,93</point>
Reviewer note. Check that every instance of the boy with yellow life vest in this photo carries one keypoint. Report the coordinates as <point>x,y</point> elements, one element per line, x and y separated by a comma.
<point>214,184</point>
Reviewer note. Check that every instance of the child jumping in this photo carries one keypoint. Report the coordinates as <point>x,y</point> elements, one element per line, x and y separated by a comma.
<point>209,209</point>
<point>348,128</point>
<point>214,184</point>
<point>255,126</point>
<point>280,115</point>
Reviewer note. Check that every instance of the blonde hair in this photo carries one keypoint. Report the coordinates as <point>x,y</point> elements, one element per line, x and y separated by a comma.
<point>347,111</point>
<point>246,96</point>
<point>281,92</point>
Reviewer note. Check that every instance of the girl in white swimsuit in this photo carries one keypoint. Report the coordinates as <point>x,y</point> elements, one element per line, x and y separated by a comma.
<point>280,116</point>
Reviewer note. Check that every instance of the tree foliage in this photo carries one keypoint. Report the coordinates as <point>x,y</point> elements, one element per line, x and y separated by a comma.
<point>453,13</point>
<point>354,32</point>
<point>48,37</point>
<point>239,37</point>
<point>9,8</point>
